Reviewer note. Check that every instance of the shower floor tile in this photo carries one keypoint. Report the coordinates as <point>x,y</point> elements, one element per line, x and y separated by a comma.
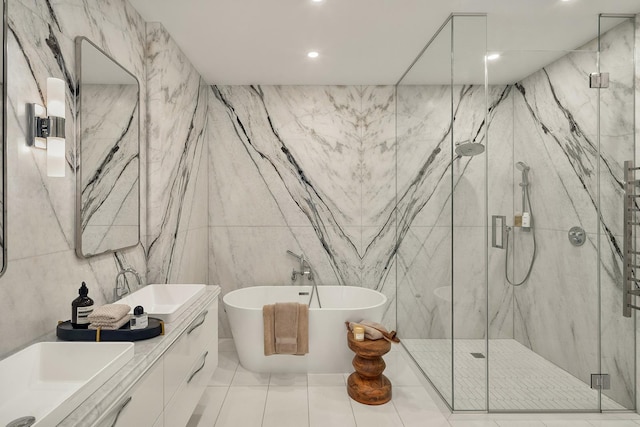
<point>520,378</point>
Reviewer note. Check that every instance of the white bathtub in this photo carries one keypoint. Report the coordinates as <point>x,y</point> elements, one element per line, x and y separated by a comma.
<point>328,350</point>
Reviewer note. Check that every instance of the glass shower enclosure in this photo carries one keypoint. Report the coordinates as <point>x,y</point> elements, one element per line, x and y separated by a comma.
<point>510,209</point>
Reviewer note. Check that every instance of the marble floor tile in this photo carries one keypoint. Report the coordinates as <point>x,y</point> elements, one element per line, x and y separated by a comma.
<point>243,398</point>
<point>567,423</point>
<point>286,406</point>
<point>416,408</point>
<point>613,423</point>
<point>520,423</point>
<point>475,423</point>
<point>379,416</point>
<point>208,408</point>
<point>244,377</point>
<point>325,380</point>
<point>398,370</point>
<point>227,365</point>
<point>243,406</point>
<point>329,406</point>
<point>288,380</point>
<point>226,344</point>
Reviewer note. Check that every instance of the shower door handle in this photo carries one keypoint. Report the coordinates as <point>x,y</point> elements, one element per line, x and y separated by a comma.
<point>498,231</point>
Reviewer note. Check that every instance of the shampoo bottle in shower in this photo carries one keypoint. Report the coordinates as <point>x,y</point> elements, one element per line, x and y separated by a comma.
<point>81,308</point>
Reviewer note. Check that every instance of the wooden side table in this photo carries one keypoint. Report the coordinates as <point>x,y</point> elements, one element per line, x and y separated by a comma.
<point>367,384</point>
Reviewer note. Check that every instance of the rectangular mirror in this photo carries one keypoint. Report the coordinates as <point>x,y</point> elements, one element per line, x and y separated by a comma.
<point>108,153</point>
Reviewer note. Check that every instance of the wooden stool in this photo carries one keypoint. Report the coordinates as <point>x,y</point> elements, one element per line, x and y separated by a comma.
<point>367,384</point>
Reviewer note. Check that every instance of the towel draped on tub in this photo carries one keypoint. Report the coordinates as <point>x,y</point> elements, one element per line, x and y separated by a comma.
<point>286,328</point>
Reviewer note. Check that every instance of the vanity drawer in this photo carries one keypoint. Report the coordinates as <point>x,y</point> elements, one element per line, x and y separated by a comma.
<point>188,349</point>
<point>177,362</point>
<point>181,407</point>
<point>141,406</point>
<point>202,330</point>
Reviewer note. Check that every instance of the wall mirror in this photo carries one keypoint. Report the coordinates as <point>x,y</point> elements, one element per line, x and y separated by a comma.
<point>108,153</point>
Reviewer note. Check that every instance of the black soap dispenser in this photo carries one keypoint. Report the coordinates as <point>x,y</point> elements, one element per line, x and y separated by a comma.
<point>81,308</point>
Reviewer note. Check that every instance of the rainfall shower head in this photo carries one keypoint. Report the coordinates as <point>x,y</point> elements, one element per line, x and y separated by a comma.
<point>522,166</point>
<point>469,149</point>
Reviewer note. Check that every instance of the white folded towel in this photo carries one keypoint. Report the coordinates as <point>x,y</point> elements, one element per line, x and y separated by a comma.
<point>112,326</point>
<point>109,313</point>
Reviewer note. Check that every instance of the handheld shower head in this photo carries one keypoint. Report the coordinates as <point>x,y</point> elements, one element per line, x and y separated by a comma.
<point>522,166</point>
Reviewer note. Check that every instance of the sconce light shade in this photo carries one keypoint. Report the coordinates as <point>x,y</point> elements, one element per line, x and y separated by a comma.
<point>55,98</point>
<point>55,157</point>
<point>55,142</point>
<point>52,127</point>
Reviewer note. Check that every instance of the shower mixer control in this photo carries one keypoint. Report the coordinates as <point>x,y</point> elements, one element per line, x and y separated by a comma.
<point>577,236</point>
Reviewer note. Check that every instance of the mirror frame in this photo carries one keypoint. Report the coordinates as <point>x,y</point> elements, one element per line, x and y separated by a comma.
<point>78,147</point>
<point>3,141</point>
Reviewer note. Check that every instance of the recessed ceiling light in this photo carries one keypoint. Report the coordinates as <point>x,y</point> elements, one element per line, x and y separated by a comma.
<point>493,56</point>
<point>313,54</point>
<point>317,1</point>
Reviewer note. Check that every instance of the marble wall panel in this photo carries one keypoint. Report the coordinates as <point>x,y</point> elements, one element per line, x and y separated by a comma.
<point>308,169</point>
<point>177,167</point>
<point>42,263</point>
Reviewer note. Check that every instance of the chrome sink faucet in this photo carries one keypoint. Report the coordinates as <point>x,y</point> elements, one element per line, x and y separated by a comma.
<point>305,268</point>
<point>123,289</point>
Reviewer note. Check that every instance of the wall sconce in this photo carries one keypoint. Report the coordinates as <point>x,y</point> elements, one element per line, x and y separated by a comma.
<point>48,132</point>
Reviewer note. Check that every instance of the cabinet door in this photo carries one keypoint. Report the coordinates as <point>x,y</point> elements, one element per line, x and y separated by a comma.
<point>141,406</point>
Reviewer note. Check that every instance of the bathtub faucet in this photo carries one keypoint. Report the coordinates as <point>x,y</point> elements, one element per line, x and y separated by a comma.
<point>305,270</point>
<point>305,267</point>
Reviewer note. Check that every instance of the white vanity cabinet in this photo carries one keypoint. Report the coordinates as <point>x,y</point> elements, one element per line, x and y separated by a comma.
<point>141,405</point>
<point>170,389</point>
<point>198,347</point>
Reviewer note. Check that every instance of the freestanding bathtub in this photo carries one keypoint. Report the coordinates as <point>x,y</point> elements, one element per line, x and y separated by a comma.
<point>328,350</point>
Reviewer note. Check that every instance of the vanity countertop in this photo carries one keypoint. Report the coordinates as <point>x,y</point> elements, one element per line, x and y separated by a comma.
<point>146,353</point>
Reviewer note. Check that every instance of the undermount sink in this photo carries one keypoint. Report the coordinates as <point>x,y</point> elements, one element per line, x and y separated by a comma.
<point>49,380</point>
<point>165,302</point>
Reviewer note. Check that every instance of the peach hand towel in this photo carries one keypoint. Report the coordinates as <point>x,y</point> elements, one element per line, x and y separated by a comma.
<point>302,341</point>
<point>286,327</point>
<point>268,318</point>
<point>271,333</point>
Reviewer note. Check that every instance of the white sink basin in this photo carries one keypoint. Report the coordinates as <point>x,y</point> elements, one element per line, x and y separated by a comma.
<point>49,380</point>
<point>166,302</point>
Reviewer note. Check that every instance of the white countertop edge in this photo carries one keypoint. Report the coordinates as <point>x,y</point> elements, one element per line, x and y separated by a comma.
<point>146,353</point>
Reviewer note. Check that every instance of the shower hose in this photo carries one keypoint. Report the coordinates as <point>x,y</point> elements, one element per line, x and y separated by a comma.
<point>533,257</point>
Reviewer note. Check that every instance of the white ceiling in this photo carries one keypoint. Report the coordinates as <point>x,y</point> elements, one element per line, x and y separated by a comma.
<point>360,41</point>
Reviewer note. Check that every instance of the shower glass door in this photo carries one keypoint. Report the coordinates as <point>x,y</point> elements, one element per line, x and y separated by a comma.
<point>617,144</point>
<point>424,181</point>
<point>543,290</point>
<point>556,149</point>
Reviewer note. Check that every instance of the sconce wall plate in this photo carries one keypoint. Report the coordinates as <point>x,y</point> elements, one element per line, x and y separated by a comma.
<point>48,133</point>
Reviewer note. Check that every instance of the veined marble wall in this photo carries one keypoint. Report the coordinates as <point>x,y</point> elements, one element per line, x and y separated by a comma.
<point>43,270</point>
<point>177,164</point>
<point>308,169</point>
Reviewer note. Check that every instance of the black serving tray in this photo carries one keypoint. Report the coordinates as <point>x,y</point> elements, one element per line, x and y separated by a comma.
<point>66,332</point>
